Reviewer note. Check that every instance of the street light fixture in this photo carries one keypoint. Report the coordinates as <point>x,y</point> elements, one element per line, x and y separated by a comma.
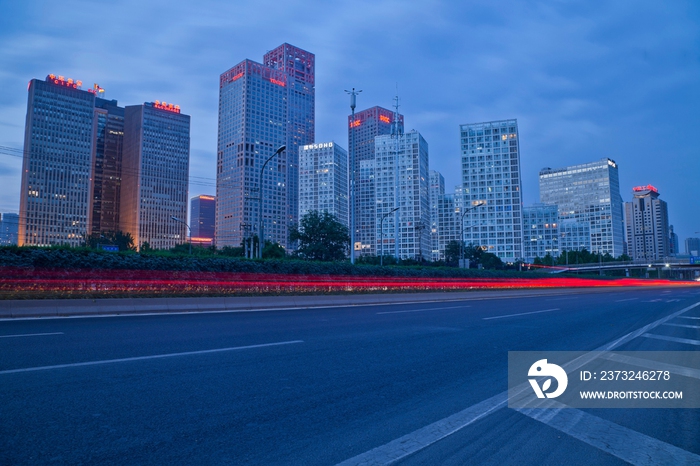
<point>188,228</point>
<point>260,205</point>
<point>461,224</point>
<point>381,229</point>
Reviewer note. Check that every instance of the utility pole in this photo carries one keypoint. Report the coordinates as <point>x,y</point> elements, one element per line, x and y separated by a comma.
<point>353,102</point>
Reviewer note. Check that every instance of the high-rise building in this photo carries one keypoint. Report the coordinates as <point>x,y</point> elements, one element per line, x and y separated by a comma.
<point>540,231</point>
<point>437,192</point>
<point>367,125</point>
<point>108,130</point>
<point>58,140</point>
<point>692,246</point>
<point>672,242</point>
<point>323,180</point>
<point>646,221</point>
<point>574,236</point>
<point>203,216</point>
<point>155,174</point>
<point>443,216</point>
<point>491,174</point>
<point>588,193</point>
<point>402,180</point>
<point>261,108</point>
<point>9,225</point>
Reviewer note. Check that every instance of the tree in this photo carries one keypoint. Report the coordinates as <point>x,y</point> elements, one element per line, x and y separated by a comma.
<point>490,260</point>
<point>452,251</point>
<point>273,250</point>
<point>320,237</point>
<point>124,241</point>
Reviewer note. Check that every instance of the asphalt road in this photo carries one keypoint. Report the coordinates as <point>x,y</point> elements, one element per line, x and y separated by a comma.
<point>324,386</point>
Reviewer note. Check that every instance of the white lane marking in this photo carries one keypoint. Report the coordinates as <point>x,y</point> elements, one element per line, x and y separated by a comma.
<point>673,300</point>
<point>521,314</point>
<point>654,365</point>
<point>623,300</point>
<point>688,317</point>
<point>560,299</point>
<point>426,436</point>
<point>422,310</point>
<point>31,335</point>
<point>143,358</point>
<point>673,339</point>
<point>653,301</point>
<point>626,444</point>
<point>414,441</point>
<point>683,325</point>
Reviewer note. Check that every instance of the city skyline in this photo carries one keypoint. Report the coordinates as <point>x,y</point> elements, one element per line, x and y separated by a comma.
<point>583,81</point>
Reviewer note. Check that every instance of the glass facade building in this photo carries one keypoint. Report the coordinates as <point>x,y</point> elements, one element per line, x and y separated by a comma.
<point>540,231</point>
<point>58,141</point>
<point>402,180</point>
<point>646,225</point>
<point>323,180</point>
<point>588,193</point>
<point>203,216</point>
<point>155,175</point>
<point>368,124</point>
<point>9,226</point>
<point>444,221</point>
<point>262,107</point>
<point>491,174</point>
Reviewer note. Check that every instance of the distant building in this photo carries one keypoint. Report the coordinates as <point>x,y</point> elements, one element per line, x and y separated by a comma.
<point>692,246</point>
<point>368,124</point>
<point>646,221</point>
<point>540,231</point>
<point>672,242</point>
<point>402,180</point>
<point>437,192</point>
<point>58,139</point>
<point>9,225</point>
<point>491,174</point>
<point>261,108</point>
<point>155,174</point>
<point>108,130</point>
<point>443,216</point>
<point>203,217</point>
<point>323,180</point>
<point>574,236</point>
<point>588,193</point>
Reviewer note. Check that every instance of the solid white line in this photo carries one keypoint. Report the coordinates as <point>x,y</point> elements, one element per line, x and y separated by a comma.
<point>31,335</point>
<point>673,339</point>
<point>143,358</point>
<point>623,300</point>
<point>626,444</point>
<point>422,310</point>
<point>688,317</point>
<point>654,365</point>
<point>426,436</point>
<point>521,314</point>
<point>683,325</point>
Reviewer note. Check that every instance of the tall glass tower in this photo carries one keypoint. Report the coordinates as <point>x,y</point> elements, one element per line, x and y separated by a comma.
<point>262,107</point>
<point>491,174</point>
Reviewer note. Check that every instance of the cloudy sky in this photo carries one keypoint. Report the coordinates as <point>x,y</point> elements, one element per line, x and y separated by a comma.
<point>585,79</point>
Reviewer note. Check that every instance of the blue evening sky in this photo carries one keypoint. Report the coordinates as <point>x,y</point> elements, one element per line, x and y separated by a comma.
<point>585,79</point>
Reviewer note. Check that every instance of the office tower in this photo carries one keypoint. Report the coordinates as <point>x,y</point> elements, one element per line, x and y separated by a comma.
<point>692,246</point>
<point>646,221</point>
<point>323,180</point>
<point>443,217</point>
<point>155,174</point>
<point>540,231</point>
<point>437,192</point>
<point>672,242</point>
<point>58,139</point>
<point>588,193</point>
<point>574,236</point>
<point>108,130</point>
<point>491,173</point>
<point>402,180</point>
<point>9,225</point>
<point>261,108</point>
<point>368,124</point>
<point>203,217</point>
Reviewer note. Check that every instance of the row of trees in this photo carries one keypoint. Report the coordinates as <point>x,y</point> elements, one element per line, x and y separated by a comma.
<point>582,256</point>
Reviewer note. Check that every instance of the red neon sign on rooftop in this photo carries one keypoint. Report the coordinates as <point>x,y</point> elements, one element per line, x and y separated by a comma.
<point>384,118</point>
<point>355,124</point>
<point>61,81</point>
<point>167,106</point>
<point>279,83</point>
<point>648,187</point>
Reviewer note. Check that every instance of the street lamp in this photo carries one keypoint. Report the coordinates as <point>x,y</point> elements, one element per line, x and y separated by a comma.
<point>260,205</point>
<point>188,228</point>
<point>381,229</point>
<point>461,224</point>
<point>353,95</point>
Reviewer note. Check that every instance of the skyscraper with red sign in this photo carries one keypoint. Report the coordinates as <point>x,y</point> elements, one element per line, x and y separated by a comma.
<point>646,225</point>
<point>368,124</point>
<point>262,107</point>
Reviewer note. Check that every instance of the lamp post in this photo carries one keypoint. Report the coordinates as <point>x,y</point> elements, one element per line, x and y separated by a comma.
<point>381,229</point>
<point>461,224</point>
<point>260,204</point>
<point>188,228</point>
<point>353,95</point>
